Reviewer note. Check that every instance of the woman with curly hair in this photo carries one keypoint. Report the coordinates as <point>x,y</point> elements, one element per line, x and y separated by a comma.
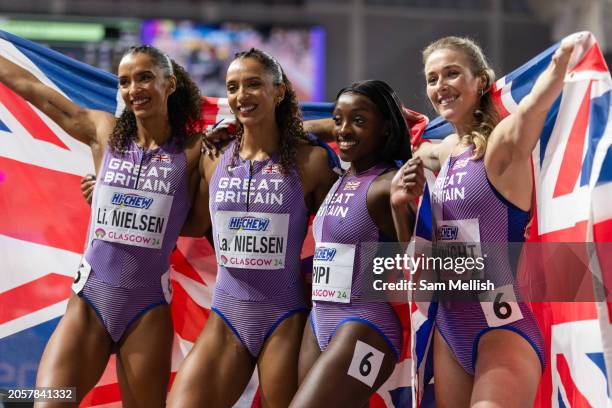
<point>147,162</point>
<point>257,196</point>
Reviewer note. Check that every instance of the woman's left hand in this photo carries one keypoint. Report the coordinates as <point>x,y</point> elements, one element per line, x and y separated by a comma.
<point>408,183</point>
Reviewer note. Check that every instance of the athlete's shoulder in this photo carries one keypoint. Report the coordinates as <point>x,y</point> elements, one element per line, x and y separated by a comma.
<point>312,159</point>
<point>445,148</point>
<point>381,185</point>
<point>387,175</point>
<point>307,151</point>
<point>193,147</point>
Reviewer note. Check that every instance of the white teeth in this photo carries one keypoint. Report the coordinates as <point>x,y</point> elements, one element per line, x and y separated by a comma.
<point>346,144</point>
<point>447,100</point>
<point>140,101</point>
<point>247,108</point>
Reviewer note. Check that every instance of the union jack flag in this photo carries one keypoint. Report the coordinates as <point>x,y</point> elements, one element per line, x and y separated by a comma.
<point>572,165</point>
<point>352,185</point>
<point>271,169</point>
<point>162,158</point>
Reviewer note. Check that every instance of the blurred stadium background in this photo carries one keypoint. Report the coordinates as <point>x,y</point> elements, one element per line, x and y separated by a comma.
<point>322,44</point>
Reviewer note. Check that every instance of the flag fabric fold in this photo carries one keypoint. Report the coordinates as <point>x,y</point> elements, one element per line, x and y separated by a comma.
<point>573,179</point>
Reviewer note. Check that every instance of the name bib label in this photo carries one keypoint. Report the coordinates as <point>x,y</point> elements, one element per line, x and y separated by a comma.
<point>459,238</point>
<point>332,272</point>
<point>82,275</point>
<point>251,240</point>
<point>131,217</point>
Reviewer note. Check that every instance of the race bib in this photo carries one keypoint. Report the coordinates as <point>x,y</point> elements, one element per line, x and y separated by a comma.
<point>332,272</point>
<point>250,240</point>
<point>459,240</point>
<point>460,237</point>
<point>131,217</point>
<point>166,286</point>
<point>81,276</point>
<point>500,306</point>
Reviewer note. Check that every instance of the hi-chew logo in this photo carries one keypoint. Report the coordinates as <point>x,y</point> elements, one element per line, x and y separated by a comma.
<point>131,200</point>
<point>324,254</point>
<point>447,233</point>
<point>249,223</point>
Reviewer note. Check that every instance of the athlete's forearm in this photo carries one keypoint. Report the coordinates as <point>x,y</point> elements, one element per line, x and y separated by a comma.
<point>18,79</point>
<point>528,121</point>
<point>323,128</point>
<point>403,220</point>
<point>76,121</point>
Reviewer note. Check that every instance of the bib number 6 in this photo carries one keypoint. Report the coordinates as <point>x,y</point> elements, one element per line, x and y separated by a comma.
<point>502,310</point>
<point>500,306</point>
<point>366,363</point>
<point>365,367</point>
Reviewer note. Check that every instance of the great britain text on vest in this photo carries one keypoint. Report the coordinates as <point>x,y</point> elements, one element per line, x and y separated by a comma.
<point>148,178</point>
<point>253,191</point>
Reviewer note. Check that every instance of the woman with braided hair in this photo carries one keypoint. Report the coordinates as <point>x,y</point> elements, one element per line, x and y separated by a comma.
<point>147,162</point>
<point>257,196</point>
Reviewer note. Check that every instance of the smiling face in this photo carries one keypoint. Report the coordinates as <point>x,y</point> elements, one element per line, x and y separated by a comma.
<point>144,86</point>
<point>452,88</point>
<point>251,92</point>
<point>359,128</point>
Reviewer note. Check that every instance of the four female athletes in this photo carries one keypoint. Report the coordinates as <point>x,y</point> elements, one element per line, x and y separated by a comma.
<point>256,196</point>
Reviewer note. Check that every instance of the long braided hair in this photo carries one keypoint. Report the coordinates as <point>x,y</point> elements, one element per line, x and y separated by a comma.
<point>184,105</point>
<point>287,113</point>
<point>486,116</point>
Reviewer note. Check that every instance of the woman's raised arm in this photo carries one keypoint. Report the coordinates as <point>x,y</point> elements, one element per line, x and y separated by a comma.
<point>77,121</point>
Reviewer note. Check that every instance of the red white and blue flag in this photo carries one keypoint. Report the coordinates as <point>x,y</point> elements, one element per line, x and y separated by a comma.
<point>572,165</point>
<point>43,224</point>
<point>44,219</point>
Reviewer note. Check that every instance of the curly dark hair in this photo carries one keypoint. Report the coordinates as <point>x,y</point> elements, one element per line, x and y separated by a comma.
<point>287,113</point>
<point>397,143</point>
<point>184,105</point>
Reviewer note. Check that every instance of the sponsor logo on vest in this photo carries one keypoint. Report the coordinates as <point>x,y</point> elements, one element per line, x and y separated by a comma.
<point>447,232</point>
<point>324,254</point>
<point>249,223</point>
<point>131,200</point>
